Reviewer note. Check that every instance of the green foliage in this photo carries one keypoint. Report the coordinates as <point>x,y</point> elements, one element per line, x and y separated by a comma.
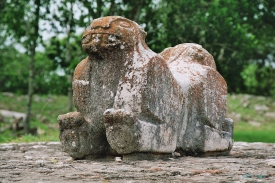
<point>236,33</point>
<point>55,51</point>
<point>249,77</point>
<point>14,73</point>
<point>14,70</point>
<point>259,80</point>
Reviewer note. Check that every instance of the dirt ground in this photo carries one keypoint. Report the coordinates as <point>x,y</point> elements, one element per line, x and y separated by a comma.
<point>45,162</point>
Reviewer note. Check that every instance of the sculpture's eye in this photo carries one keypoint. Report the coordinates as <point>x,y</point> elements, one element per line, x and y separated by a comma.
<point>124,24</point>
<point>86,39</point>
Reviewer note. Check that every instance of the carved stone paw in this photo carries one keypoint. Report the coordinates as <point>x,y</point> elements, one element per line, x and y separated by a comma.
<point>70,120</point>
<point>74,135</point>
<point>122,130</point>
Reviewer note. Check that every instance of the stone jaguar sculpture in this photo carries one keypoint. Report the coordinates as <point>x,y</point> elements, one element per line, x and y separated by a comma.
<point>130,99</point>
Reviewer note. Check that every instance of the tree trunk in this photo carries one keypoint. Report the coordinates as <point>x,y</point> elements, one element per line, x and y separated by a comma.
<point>2,4</point>
<point>70,93</point>
<point>33,43</point>
<point>30,92</point>
<point>69,73</point>
<point>68,59</point>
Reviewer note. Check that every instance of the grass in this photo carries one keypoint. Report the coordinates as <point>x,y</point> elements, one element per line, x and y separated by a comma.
<point>45,110</point>
<point>250,114</point>
<point>254,136</point>
<point>249,133</point>
<point>254,117</point>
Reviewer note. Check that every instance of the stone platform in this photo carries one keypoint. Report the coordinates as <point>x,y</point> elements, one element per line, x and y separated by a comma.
<point>45,162</point>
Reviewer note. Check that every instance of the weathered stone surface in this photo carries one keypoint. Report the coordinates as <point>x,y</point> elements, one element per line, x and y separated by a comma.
<point>204,128</point>
<point>132,100</point>
<point>247,162</point>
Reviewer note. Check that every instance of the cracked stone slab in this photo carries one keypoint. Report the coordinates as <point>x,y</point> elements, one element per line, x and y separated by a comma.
<point>241,165</point>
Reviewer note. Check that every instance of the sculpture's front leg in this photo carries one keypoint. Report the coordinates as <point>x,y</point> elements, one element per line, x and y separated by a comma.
<point>126,134</point>
<point>81,139</point>
<point>74,134</point>
<point>122,130</point>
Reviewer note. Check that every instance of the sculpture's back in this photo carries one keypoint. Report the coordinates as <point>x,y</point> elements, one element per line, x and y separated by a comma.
<point>205,128</point>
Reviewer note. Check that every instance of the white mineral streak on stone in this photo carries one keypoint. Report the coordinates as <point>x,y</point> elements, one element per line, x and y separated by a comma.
<point>96,39</point>
<point>112,38</point>
<point>130,93</point>
<point>184,76</point>
<point>122,47</point>
<point>111,94</point>
<point>81,82</point>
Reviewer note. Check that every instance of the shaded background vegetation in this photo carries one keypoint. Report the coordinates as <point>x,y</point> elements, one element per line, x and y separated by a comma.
<point>239,34</point>
<point>40,39</point>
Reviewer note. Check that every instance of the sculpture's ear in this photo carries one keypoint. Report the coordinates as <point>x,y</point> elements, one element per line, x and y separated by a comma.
<point>142,33</point>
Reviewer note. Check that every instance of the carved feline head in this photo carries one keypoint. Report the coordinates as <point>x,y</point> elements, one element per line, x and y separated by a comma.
<point>111,32</point>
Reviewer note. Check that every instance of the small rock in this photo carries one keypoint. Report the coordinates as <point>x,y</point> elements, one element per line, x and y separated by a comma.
<point>270,114</point>
<point>175,173</point>
<point>22,149</point>
<point>28,157</point>
<point>40,131</point>
<point>118,159</point>
<point>245,104</point>
<point>54,143</point>
<point>38,146</point>
<point>240,144</point>
<point>8,94</point>
<point>255,123</point>
<point>271,162</point>
<point>41,163</point>
<point>155,169</point>
<point>176,154</point>
<point>59,165</point>
<point>261,108</point>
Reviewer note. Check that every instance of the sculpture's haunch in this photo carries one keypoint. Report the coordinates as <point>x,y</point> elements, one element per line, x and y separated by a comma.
<point>131,100</point>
